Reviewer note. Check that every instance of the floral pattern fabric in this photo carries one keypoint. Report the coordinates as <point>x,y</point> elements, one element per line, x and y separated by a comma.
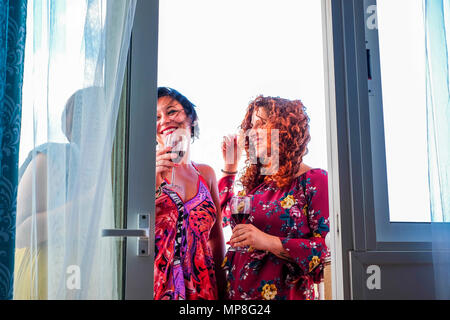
<point>298,215</point>
<point>184,265</point>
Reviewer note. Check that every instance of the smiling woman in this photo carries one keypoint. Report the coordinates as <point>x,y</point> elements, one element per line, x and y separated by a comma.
<point>188,215</point>
<point>289,219</point>
<point>171,103</point>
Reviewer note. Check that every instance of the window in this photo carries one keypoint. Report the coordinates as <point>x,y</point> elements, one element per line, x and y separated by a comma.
<point>403,81</point>
<point>368,58</point>
<point>396,107</point>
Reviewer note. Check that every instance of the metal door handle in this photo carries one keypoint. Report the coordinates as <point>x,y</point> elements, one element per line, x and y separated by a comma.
<point>126,233</point>
<point>142,234</point>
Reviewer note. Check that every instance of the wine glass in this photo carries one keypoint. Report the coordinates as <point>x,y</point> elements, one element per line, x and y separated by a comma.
<point>179,144</point>
<point>240,207</point>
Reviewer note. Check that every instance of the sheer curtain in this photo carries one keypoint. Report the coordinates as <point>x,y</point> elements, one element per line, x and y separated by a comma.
<point>75,61</point>
<point>437,24</point>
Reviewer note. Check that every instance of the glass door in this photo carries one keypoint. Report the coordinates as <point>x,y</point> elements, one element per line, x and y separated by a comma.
<point>83,178</point>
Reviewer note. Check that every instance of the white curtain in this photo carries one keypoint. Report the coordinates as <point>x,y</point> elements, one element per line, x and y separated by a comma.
<point>75,61</point>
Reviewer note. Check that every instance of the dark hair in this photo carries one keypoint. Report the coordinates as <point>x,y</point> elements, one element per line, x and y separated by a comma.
<point>188,106</point>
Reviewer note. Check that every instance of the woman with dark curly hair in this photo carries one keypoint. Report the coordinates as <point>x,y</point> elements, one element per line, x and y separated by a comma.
<point>285,233</point>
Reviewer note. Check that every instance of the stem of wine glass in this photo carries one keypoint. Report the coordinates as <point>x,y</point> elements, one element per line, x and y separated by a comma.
<point>172,181</point>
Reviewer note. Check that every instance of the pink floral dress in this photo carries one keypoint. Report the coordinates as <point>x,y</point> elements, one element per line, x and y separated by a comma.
<point>298,215</point>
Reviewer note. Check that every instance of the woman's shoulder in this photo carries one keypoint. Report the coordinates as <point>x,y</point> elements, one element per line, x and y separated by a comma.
<point>314,176</point>
<point>207,173</point>
<point>317,172</point>
<point>205,170</point>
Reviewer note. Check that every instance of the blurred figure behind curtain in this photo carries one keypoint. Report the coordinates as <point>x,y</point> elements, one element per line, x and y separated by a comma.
<point>72,45</point>
<point>60,160</point>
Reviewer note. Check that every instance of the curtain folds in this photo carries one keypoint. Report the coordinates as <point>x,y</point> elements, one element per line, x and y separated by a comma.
<point>12,46</point>
<point>437,23</point>
<point>74,72</point>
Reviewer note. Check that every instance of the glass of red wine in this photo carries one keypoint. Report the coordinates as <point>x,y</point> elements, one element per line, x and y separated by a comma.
<point>240,207</point>
<point>179,144</point>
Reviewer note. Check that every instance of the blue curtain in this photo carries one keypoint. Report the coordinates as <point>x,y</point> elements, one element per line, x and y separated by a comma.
<point>437,25</point>
<point>12,46</point>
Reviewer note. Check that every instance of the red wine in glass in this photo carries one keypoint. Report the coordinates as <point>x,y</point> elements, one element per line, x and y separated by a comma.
<point>178,142</point>
<point>240,218</point>
<point>240,211</point>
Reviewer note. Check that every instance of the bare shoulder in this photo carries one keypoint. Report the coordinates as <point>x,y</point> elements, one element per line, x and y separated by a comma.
<point>208,174</point>
<point>39,162</point>
<point>206,171</point>
<point>41,158</point>
<point>35,173</point>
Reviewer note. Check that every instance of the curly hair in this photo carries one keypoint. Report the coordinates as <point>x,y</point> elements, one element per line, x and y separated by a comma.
<point>290,118</point>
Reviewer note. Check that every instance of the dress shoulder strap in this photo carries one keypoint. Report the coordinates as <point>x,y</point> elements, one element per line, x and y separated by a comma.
<point>200,175</point>
<point>196,169</point>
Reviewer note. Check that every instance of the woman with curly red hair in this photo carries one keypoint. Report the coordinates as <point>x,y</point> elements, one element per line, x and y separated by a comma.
<point>285,233</point>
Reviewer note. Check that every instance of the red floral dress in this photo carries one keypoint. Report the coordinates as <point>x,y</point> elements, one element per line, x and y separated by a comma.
<point>298,215</point>
<point>184,265</point>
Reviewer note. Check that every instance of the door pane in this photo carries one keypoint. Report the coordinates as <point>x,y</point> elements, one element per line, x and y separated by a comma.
<point>403,81</point>
<point>75,61</point>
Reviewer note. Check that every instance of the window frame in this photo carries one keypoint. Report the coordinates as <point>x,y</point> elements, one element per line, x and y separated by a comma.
<point>387,234</point>
<point>359,212</point>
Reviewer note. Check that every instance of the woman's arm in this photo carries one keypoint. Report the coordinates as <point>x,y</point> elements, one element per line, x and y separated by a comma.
<point>226,192</point>
<point>32,197</point>
<point>231,153</point>
<point>216,239</point>
<point>249,235</point>
<point>310,253</point>
<point>24,230</point>
<point>32,187</point>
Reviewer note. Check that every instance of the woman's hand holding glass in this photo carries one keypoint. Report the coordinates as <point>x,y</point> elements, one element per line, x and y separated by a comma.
<point>240,207</point>
<point>173,153</point>
<point>231,152</point>
<point>164,164</point>
<point>247,235</point>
